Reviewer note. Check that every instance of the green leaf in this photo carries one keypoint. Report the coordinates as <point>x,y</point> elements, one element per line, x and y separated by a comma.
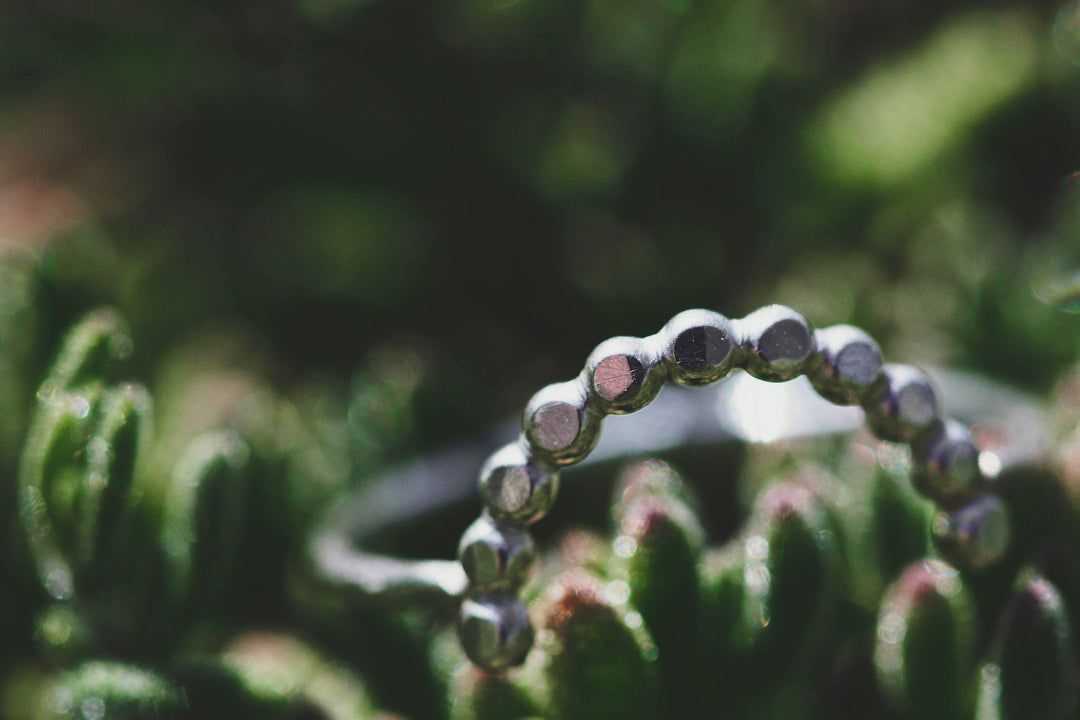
<point>597,666</point>
<point>925,643</point>
<point>203,517</point>
<point>1038,673</point>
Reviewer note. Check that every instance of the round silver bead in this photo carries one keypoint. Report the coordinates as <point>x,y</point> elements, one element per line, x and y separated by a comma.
<point>778,343</point>
<point>847,365</point>
<point>559,425</point>
<point>698,347</point>
<point>515,488</point>
<point>496,557</point>
<point>902,404</point>
<point>495,631</point>
<point>946,464</point>
<point>624,374</point>
<point>976,535</point>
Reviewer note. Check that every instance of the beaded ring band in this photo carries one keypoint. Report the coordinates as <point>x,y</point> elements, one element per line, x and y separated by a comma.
<point>561,426</point>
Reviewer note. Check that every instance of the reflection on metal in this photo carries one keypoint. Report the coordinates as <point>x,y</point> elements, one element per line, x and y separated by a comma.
<point>803,367</point>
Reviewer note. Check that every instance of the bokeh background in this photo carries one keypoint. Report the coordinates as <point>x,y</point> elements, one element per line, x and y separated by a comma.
<point>385,224</point>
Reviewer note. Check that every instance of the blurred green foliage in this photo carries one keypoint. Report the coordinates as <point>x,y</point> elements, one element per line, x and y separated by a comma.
<point>343,231</point>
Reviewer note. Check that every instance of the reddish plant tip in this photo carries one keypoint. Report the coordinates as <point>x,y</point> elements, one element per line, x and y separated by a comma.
<point>574,594</point>
<point>916,586</point>
<point>924,580</point>
<point>580,547</point>
<point>787,502</point>
<point>478,679</point>
<point>1037,595</point>
<point>646,518</point>
<point>1067,394</point>
<point>261,644</point>
<point>647,477</point>
<point>1067,460</point>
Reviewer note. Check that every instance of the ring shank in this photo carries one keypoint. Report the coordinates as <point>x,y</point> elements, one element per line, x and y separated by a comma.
<point>739,408</point>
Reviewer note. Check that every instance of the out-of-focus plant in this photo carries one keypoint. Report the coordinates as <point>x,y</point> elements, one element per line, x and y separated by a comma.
<point>832,596</point>
<point>159,568</point>
<point>838,584</point>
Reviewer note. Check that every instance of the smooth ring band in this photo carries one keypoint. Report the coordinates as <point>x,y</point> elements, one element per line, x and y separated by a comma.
<point>519,481</point>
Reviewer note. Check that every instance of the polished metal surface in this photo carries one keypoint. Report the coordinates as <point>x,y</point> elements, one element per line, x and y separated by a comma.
<point>560,425</point>
<point>975,535</point>
<point>625,374</point>
<point>515,487</point>
<point>698,347</point>
<point>901,404</point>
<point>777,343</point>
<point>496,556</point>
<point>849,363</point>
<point>833,380</point>
<point>495,631</point>
<point>946,464</point>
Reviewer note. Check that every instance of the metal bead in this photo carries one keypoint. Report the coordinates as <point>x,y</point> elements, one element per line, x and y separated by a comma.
<point>515,488</point>
<point>848,362</point>
<point>946,467</point>
<point>902,404</point>
<point>559,425</point>
<point>624,374</point>
<point>974,536</point>
<point>495,631</point>
<point>496,557</point>
<point>778,343</point>
<point>697,347</point>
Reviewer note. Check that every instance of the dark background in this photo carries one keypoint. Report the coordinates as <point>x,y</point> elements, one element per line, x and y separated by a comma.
<point>508,182</point>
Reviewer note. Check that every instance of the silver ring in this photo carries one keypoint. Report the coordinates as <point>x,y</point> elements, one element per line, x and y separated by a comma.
<point>830,381</point>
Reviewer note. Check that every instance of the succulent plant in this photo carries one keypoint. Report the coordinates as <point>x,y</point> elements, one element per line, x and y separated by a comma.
<point>832,598</point>
<point>832,589</point>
